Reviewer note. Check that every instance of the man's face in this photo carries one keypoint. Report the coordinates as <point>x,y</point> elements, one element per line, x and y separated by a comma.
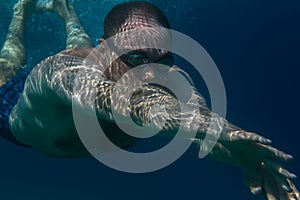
<point>148,65</point>
<point>140,54</point>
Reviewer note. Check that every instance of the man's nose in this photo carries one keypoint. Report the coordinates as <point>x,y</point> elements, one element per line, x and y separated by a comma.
<point>148,75</point>
<point>151,73</point>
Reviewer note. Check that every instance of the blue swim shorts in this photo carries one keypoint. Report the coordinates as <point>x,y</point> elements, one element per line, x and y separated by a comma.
<point>9,95</point>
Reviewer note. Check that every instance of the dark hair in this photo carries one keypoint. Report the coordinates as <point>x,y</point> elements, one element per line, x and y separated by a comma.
<point>141,13</point>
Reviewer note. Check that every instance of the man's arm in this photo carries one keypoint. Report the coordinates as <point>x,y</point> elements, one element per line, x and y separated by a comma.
<point>43,116</point>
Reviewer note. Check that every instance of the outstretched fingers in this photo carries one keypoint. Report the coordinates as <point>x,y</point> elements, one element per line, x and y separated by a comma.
<point>259,143</point>
<point>243,136</point>
<point>278,168</point>
<point>273,153</point>
<point>277,189</point>
<point>264,172</point>
<point>281,180</point>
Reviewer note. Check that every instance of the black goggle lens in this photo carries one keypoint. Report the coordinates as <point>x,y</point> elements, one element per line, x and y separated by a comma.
<point>167,60</point>
<point>135,59</point>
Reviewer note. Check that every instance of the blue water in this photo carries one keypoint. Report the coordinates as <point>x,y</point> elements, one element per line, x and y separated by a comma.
<point>255,45</point>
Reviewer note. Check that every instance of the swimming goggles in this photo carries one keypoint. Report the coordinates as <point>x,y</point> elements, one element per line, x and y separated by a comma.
<point>135,59</point>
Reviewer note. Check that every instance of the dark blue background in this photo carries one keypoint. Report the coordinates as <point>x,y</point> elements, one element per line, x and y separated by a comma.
<point>254,43</point>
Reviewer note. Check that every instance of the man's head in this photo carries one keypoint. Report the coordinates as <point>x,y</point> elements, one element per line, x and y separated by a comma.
<point>130,15</point>
<point>133,25</point>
